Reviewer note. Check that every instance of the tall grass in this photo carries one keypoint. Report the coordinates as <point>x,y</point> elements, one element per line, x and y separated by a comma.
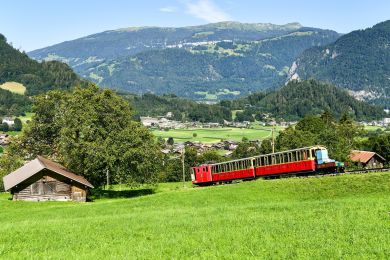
<point>329,217</point>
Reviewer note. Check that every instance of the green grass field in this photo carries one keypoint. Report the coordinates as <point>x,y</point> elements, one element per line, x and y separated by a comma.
<point>24,120</point>
<point>335,217</point>
<point>374,128</point>
<point>212,135</point>
<point>14,87</point>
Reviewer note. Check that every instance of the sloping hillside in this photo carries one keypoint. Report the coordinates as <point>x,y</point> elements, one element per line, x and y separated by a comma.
<point>333,217</point>
<point>214,61</point>
<point>358,61</point>
<point>133,40</point>
<point>297,99</point>
<point>36,77</point>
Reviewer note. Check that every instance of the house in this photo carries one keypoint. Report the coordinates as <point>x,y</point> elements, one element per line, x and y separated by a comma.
<point>169,115</point>
<point>367,160</point>
<point>149,121</point>
<point>42,180</point>
<point>4,139</point>
<point>9,121</point>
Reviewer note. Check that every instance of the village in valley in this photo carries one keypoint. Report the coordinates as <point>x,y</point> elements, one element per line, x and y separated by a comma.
<point>197,129</point>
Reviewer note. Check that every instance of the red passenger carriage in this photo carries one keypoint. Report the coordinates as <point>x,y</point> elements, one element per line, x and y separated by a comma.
<point>299,161</point>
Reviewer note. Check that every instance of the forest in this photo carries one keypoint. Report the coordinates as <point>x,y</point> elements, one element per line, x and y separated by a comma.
<point>300,98</point>
<point>36,77</point>
<point>359,60</point>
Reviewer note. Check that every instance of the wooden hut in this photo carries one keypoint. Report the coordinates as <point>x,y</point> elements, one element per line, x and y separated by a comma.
<point>42,180</point>
<point>367,160</point>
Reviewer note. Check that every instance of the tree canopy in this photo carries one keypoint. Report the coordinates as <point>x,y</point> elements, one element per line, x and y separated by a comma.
<point>91,131</point>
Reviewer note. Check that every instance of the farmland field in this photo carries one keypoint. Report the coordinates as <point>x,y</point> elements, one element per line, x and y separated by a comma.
<point>14,87</point>
<point>212,135</point>
<point>318,218</point>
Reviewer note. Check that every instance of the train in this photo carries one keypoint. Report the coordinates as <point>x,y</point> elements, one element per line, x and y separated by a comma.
<point>302,161</point>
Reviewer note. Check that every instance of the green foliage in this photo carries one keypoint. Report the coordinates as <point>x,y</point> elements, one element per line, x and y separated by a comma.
<point>182,109</point>
<point>298,99</point>
<point>36,77</point>
<point>170,141</point>
<point>379,143</point>
<point>246,149</point>
<point>359,60</point>
<point>12,104</point>
<point>17,124</point>
<point>246,115</point>
<point>91,132</point>
<point>266,146</point>
<point>7,165</point>
<point>4,127</point>
<point>339,137</point>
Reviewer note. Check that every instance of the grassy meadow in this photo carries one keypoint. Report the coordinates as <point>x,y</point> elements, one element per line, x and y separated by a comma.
<point>14,87</point>
<point>213,135</point>
<point>318,218</point>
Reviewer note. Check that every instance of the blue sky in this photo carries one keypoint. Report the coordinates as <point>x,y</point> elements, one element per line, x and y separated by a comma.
<point>35,24</point>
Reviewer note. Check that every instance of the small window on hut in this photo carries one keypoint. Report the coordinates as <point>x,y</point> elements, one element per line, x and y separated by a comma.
<point>49,187</point>
<point>36,188</point>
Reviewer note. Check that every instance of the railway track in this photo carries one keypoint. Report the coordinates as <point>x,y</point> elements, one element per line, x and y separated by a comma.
<point>349,172</point>
<point>369,170</point>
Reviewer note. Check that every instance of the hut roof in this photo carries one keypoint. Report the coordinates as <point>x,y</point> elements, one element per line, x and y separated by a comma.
<point>363,156</point>
<point>33,167</point>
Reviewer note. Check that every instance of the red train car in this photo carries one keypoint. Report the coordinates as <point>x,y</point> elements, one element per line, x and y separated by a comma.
<point>298,161</point>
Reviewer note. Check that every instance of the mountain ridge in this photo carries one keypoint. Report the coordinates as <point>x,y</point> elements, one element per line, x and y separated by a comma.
<point>221,60</point>
<point>358,61</point>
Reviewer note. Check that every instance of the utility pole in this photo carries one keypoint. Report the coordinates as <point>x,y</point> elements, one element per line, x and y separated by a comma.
<point>273,139</point>
<point>183,165</point>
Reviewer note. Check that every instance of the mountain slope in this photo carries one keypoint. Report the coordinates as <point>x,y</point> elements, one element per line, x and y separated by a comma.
<point>214,61</point>
<point>358,61</point>
<point>297,99</point>
<point>36,77</point>
<point>130,41</point>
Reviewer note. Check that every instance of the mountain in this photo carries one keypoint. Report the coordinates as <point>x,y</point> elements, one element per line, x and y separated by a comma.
<point>358,61</point>
<point>297,99</point>
<point>36,77</point>
<point>133,40</point>
<point>208,62</point>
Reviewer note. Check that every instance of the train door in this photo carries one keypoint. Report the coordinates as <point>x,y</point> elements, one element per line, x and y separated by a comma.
<point>202,174</point>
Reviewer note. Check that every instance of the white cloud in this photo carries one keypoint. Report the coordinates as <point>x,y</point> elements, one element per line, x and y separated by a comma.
<point>207,10</point>
<point>168,9</point>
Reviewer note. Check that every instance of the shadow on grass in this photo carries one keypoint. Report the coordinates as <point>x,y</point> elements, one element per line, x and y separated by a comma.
<point>106,194</point>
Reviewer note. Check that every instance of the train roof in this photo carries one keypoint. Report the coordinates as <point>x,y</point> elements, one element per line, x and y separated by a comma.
<point>268,154</point>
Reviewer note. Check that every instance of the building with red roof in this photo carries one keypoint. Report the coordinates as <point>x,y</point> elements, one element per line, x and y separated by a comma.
<point>366,159</point>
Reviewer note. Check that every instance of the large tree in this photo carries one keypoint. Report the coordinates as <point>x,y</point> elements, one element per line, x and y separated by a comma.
<point>91,131</point>
<point>339,137</point>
